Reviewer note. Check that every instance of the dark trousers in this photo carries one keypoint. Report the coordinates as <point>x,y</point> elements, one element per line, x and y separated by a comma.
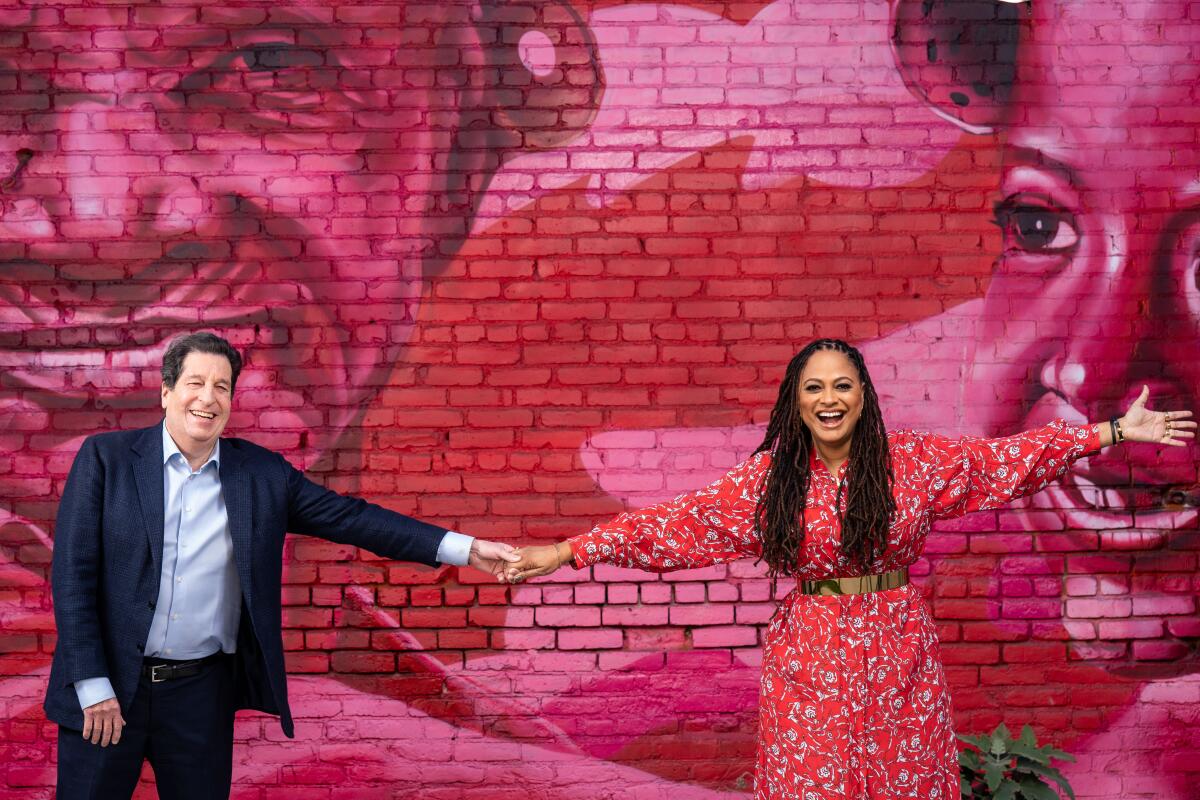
<point>183,727</point>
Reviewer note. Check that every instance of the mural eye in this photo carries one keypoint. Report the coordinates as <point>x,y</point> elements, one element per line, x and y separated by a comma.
<point>275,74</point>
<point>1036,230</point>
<point>276,57</point>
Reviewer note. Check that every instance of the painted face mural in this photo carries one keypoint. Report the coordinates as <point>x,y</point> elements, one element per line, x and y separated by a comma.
<point>1096,291</point>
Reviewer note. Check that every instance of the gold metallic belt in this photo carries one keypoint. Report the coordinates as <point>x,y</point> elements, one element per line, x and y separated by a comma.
<point>859,584</point>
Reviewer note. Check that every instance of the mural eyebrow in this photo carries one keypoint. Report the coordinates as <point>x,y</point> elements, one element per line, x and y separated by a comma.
<point>1033,156</point>
<point>263,56</point>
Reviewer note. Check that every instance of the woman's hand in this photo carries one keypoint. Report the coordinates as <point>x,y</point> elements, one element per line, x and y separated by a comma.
<point>538,561</point>
<point>1158,427</point>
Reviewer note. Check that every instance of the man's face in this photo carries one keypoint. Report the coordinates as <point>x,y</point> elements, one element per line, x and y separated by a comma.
<point>197,407</point>
<point>1095,294</point>
<point>263,170</point>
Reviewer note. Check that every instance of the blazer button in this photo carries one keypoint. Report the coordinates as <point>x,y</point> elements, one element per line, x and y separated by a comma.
<point>140,647</point>
<point>151,605</point>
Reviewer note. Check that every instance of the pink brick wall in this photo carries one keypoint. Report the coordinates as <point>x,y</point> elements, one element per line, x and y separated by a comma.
<point>513,267</point>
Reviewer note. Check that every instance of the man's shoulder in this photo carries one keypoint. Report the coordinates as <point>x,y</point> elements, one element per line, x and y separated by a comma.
<point>110,440</point>
<point>248,451</point>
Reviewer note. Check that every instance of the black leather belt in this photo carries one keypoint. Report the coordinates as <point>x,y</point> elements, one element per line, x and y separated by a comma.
<point>161,669</point>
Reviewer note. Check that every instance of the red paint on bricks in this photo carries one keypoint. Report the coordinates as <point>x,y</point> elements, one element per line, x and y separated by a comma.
<point>516,316</point>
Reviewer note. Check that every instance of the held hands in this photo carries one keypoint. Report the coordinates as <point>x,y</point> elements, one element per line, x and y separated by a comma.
<point>102,722</point>
<point>1140,424</point>
<point>493,557</point>
<point>538,561</point>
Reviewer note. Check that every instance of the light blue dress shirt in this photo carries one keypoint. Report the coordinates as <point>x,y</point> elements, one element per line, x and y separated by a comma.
<point>199,594</point>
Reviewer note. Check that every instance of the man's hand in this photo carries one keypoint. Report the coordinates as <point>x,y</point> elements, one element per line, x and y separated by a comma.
<point>102,722</point>
<point>538,561</point>
<point>492,557</point>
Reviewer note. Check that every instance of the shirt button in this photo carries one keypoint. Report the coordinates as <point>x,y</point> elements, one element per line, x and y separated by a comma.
<point>174,616</point>
<point>179,580</point>
<point>187,508</point>
<point>167,651</point>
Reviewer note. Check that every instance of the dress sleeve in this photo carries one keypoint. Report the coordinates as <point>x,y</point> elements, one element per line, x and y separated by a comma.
<point>973,474</point>
<point>699,529</point>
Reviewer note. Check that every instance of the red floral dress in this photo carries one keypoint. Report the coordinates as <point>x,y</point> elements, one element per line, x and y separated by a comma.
<point>853,703</point>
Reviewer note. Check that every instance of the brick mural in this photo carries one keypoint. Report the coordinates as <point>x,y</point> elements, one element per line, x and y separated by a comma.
<point>513,266</point>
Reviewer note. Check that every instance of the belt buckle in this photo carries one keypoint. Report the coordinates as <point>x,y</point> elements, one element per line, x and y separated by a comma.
<point>829,587</point>
<point>154,673</point>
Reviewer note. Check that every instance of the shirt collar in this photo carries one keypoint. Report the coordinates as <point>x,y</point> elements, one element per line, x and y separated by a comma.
<point>171,449</point>
<point>815,464</point>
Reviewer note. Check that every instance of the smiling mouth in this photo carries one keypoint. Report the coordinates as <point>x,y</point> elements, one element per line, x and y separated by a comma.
<point>830,419</point>
<point>1100,494</point>
<point>203,414</point>
<point>1125,518</point>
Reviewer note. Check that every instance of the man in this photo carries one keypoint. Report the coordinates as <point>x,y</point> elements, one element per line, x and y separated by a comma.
<point>166,580</point>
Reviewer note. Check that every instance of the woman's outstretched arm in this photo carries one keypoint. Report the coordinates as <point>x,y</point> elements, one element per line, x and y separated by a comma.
<point>972,474</point>
<point>697,529</point>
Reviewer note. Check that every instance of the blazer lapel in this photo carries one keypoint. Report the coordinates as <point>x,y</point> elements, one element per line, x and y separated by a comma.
<point>235,485</point>
<point>148,477</point>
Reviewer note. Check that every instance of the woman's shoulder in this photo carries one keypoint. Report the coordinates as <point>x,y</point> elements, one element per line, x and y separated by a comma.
<point>751,470</point>
<point>907,439</point>
<point>754,464</point>
<point>909,446</point>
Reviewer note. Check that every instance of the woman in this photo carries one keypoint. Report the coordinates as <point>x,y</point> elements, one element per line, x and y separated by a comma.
<point>853,702</point>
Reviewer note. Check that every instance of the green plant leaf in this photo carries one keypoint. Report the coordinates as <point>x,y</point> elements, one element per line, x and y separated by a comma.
<point>1000,739</point>
<point>1059,755</point>
<point>1034,789</point>
<point>1007,791</point>
<point>1010,769</point>
<point>1032,752</point>
<point>1060,779</point>
<point>1026,767</point>
<point>981,742</point>
<point>1027,736</point>
<point>993,774</point>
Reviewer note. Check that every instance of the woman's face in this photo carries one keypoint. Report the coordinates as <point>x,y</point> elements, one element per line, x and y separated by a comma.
<point>1097,292</point>
<point>830,399</point>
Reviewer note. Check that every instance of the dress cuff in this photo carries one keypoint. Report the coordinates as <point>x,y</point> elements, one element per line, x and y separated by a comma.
<point>455,549</point>
<point>93,690</point>
<point>579,551</point>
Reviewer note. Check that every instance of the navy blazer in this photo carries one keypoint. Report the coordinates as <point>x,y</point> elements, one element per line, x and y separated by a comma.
<point>108,545</point>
